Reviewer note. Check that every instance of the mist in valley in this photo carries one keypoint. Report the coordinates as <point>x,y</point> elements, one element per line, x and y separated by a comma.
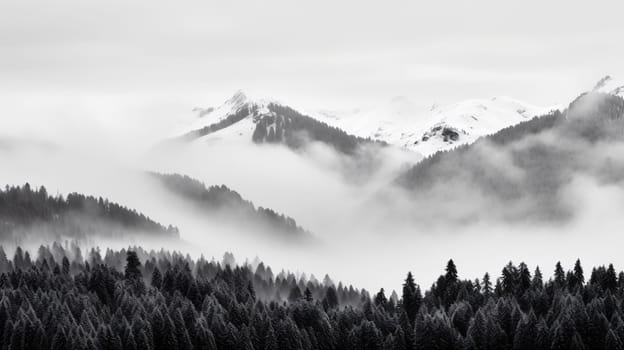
<point>369,229</point>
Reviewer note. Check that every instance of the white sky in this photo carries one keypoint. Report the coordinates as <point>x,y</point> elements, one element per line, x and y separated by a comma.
<point>321,53</point>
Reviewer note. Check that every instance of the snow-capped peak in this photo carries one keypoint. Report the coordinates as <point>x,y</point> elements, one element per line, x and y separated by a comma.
<point>608,85</point>
<point>428,129</point>
<point>213,115</point>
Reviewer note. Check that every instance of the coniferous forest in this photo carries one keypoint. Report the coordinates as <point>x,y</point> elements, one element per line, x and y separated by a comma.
<point>34,213</point>
<point>232,207</point>
<point>63,298</point>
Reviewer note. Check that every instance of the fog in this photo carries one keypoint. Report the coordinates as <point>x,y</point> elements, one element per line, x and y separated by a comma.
<point>370,231</point>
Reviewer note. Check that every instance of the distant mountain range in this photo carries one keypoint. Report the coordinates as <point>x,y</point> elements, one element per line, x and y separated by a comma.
<point>401,124</point>
<point>525,171</point>
<point>398,122</point>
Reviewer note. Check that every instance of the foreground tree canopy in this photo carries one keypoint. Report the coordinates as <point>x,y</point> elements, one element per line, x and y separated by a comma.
<point>62,298</point>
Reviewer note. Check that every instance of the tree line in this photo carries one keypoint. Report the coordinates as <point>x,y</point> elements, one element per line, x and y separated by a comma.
<point>26,211</point>
<point>132,299</point>
<point>230,205</point>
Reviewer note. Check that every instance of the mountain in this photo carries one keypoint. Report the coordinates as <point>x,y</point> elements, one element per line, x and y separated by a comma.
<point>527,171</point>
<point>610,86</point>
<point>260,121</point>
<point>225,205</point>
<point>399,122</point>
<point>27,213</point>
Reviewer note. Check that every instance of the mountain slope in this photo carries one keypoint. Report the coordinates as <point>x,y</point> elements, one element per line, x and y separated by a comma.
<point>26,213</point>
<point>265,121</point>
<point>610,86</point>
<point>526,171</point>
<point>219,202</point>
<point>399,122</point>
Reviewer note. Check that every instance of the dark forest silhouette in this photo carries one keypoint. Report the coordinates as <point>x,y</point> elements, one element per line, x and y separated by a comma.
<point>233,208</point>
<point>135,299</point>
<point>33,212</point>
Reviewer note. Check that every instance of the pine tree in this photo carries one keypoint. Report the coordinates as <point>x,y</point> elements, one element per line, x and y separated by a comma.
<point>610,279</point>
<point>294,294</point>
<point>270,341</point>
<point>65,264</point>
<point>156,278</point>
<point>331,298</point>
<point>307,295</point>
<point>132,272</point>
<point>411,297</point>
<point>559,275</point>
<point>524,281</point>
<point>133,266</point>
<point>59,341</point>
<point>487,285</point>
<point>509,279</point>
<point>537,282</point>
<point>526,333</point>
<point>612,342</point>
<point>578,273</point>
<point>380,298</point>
<point>451,272</point>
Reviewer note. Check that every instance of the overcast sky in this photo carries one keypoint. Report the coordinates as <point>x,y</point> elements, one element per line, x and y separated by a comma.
<point>171,56</point>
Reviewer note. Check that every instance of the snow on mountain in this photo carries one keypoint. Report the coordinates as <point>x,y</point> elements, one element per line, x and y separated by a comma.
<point>608,85</point>
<point>220,123</point>
<point>462,123</point>
<point>399,122</point>
<point>379,123</point>
<point>244,120</point>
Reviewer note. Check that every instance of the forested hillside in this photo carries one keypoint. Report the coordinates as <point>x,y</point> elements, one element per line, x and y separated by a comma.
<point>275,123</point>
<point>228,205</point>
<point>63,298</point>
<point>285,125</point>
<point>528,166</point>
<point>33,213</point>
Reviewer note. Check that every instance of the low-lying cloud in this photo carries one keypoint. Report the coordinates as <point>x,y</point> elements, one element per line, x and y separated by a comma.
<point>499,201</point>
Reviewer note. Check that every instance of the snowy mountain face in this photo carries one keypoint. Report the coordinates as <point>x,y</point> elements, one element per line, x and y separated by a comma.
<point>242,119</point>
<point>401,124</point>
<point>398,122</point>
<point>233,121</point>
<point>609,86</point>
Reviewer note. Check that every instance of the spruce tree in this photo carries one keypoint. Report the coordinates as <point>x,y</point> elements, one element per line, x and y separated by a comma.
<point>307,295</point>
<point>578,273</point>
<point>156,278</point>
<point>559,275</point>
<point>487,285</point>
<point>411,297</point>
<point>524,281</point>
<point>451,272</point>
<point>612,342</point>
<point>133,266</point>
<point>610,279</point>
<point>380,298</point>
<point>330,300</point>
<point>537,282</point>
<point>294,294</point>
